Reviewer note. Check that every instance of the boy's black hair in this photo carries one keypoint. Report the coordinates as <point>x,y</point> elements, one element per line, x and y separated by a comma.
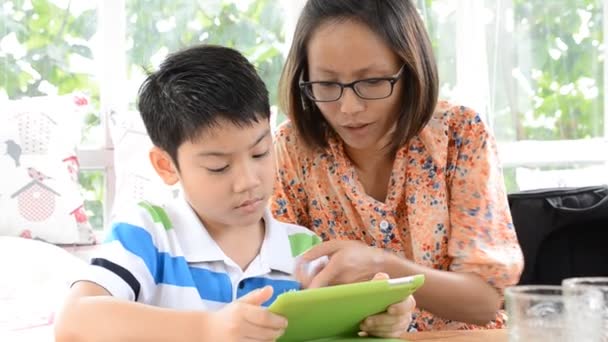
<point>194,89</point>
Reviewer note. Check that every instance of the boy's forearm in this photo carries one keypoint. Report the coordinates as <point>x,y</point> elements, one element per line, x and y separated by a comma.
<point>103,318</point>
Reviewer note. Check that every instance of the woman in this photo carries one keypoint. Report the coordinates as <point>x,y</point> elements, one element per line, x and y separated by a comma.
<point>394,180</point>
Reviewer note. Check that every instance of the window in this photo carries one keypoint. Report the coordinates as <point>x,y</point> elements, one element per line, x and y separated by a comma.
<point>105,48</point>
<point>535,69</point>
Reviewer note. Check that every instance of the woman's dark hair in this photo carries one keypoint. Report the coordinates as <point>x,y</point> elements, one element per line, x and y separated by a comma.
<point>400,25</point>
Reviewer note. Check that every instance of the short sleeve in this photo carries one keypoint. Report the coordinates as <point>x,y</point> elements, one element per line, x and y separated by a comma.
<point>126,263</point>
<point>303,241</point>
<point>289,201</point>
<point>483,238</point>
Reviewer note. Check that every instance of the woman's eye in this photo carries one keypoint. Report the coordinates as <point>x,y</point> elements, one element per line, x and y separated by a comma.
<point>328,85</point>
<point>373,81</point>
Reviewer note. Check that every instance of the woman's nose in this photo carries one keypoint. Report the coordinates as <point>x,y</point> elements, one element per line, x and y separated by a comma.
<point>350,102</point>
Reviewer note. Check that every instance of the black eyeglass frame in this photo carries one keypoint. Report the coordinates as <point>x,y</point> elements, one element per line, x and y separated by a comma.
<point>352,85</point>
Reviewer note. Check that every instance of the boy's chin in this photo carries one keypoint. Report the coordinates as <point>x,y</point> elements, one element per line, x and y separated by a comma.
<point>247,218</point>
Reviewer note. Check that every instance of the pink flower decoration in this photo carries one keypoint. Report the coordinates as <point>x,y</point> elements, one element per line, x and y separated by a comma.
<point>26,234</point>
<point>81,100</point>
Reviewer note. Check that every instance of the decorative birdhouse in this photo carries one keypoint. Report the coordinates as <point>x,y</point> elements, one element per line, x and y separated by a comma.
<point>36,201</point>
<point>80,215</point>
<point>72,167</point>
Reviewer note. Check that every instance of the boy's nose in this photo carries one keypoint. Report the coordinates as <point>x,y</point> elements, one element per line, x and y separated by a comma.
<point>246,180</point>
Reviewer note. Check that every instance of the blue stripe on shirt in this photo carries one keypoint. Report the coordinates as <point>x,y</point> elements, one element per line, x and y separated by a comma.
<point>170,270</point>
<point>174,270</point>
<point>278,286</point>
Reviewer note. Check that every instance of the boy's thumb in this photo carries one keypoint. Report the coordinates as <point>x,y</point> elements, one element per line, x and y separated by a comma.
<point>257,297</point>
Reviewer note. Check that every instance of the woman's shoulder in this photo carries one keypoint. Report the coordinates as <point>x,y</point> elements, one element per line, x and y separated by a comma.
<point>451,114</point>
<point>285,133</point>
<point>449,118</point>
<point>450,125</point>
<point>288,143</point>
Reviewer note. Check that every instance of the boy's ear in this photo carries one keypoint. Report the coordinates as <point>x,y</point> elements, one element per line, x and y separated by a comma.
<point>164,166</point>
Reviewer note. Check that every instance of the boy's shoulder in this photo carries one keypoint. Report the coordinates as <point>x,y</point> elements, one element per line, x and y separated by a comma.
<point>300,238</point>
<point>150,216</point>
<point>290,228</point>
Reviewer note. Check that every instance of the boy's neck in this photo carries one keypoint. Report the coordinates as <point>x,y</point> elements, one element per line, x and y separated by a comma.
<point>240,243</point>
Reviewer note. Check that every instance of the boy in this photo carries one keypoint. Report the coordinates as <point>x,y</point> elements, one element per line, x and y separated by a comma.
<point>203,267</point>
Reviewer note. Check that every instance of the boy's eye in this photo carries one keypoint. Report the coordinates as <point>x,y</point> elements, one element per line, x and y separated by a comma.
<point>261,155</point>
<point>220,170</point>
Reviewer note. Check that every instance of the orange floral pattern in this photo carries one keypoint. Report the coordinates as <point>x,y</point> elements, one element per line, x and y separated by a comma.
<point>446,205</point>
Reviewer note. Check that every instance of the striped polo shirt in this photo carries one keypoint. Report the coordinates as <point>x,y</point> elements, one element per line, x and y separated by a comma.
<point>164,256</point>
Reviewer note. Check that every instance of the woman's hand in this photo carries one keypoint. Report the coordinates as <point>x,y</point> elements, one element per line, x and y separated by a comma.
<point>392,323</point>
<point>349,262</point>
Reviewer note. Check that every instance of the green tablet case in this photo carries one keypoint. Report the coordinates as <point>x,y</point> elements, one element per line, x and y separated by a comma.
<point>335,312</point>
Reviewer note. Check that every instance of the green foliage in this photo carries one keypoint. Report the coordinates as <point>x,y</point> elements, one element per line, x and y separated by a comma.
<point>510,180</point>
<point>566,36</point>
<point>42,30</point>
<point>557,47</point>
<point>50,36</point>
<point>93,185</point>
<point>172,25</point>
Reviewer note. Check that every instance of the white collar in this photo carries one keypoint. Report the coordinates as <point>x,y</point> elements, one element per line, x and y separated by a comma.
<point>198,246</point>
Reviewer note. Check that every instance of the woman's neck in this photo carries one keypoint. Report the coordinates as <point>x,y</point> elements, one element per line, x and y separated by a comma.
<point>375,156</point>
<point>373,168</point>
<point>369,158</point>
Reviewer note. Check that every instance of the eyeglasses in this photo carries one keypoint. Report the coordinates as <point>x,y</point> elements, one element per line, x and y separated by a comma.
<point>368,89</point>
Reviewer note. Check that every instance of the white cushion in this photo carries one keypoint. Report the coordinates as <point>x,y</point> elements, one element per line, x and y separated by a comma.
<point>136,179</point>
<point>39,190</point>
<point>35,279</point>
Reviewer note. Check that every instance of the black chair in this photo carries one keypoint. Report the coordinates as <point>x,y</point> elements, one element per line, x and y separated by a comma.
<point>562,232</point>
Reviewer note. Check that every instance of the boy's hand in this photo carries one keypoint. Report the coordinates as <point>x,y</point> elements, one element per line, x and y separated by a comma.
<point>246,320</point>
<point>394,322</point>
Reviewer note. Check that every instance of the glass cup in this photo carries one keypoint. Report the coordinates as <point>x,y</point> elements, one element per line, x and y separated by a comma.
<point>551,313</point>
<point>599,283</point>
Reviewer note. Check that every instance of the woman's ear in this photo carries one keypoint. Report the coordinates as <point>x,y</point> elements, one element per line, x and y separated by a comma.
<point>164,166</point>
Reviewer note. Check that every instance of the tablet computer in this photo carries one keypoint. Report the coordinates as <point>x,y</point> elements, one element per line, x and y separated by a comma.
<point>337,311</point>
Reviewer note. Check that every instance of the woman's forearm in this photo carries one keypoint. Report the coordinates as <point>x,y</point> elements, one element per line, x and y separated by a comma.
<point>463,297</point>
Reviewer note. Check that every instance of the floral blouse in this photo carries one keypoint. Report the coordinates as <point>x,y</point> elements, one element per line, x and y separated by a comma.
<point>446,206</point>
